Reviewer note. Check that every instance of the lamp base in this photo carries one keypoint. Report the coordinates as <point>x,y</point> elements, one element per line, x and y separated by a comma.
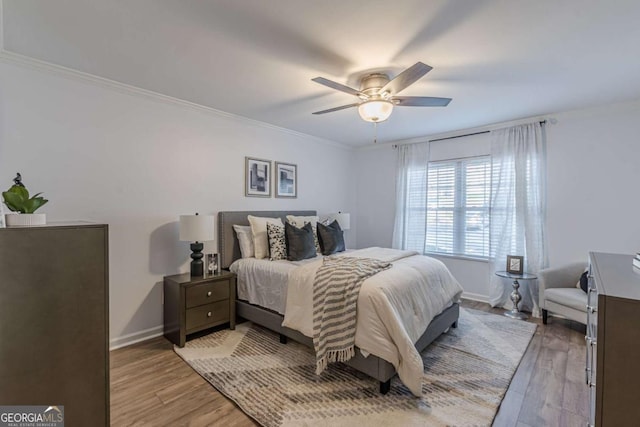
<point>197,265</point>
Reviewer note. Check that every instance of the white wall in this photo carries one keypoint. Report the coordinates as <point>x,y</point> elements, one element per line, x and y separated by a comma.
<point>376,195</point>
<point>593,182</point>
<point>593,175</point>
<point>136,162</point>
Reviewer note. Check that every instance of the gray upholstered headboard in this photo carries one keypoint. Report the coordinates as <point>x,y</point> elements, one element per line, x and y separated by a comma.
<point>228,246</point>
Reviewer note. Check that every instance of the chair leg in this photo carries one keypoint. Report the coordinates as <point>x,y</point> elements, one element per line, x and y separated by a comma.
<point>545,314</point>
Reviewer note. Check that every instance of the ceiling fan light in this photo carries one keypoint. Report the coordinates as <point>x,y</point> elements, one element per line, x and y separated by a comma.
<point>375,111</point>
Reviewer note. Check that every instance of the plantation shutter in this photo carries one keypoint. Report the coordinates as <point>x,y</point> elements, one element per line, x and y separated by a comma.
<point>458,207</point>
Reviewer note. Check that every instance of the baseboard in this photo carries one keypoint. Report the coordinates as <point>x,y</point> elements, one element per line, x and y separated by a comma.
<point>475,297</point>
<point>136,337</point>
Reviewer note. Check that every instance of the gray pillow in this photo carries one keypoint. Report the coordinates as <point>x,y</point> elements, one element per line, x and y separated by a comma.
<point>300,243</point>
<point>331,238</point>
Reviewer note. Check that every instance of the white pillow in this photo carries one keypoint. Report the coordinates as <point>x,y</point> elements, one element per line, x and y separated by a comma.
<point>245,238</point>
<point>300,221</point>
<point>259,231</point>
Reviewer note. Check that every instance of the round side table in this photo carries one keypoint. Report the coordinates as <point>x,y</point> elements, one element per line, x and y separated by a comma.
<point>515,313</point>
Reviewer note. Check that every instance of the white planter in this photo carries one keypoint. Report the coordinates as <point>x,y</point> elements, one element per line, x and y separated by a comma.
<point>25,220</point>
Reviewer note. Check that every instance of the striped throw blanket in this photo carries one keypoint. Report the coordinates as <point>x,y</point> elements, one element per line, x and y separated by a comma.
<point>335,293</point>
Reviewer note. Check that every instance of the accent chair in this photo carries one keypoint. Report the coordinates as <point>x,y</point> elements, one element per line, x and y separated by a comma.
<point>559,294</point>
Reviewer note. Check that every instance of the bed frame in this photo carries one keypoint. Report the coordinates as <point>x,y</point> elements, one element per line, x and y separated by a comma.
<point>380,369</point>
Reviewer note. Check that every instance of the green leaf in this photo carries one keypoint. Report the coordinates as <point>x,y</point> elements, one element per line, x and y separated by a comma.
<point>20,191</point>
<point>33,204</point>
<point>13,201</point>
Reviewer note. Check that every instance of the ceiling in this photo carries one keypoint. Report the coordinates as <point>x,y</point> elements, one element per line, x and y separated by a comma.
<point>498,59</point>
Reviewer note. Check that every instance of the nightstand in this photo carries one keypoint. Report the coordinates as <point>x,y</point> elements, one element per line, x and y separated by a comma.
<point>192,304</point>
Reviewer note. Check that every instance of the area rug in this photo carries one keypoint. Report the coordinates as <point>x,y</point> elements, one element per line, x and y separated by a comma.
<point>467,372</point>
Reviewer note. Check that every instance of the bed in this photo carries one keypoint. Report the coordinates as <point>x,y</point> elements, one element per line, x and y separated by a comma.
<point>372,365</point>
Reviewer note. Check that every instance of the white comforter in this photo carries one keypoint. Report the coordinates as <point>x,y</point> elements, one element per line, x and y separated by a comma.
<point>394,307</point>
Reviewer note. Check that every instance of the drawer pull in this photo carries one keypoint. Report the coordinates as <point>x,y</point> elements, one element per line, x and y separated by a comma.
<point>209,314</point>
<point>591,384</point>
<point>209,293</point>
<point>591,309</point>
<point>591,341</point>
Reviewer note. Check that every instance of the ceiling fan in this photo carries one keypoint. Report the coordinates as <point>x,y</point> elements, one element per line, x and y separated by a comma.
<point>378,94</point>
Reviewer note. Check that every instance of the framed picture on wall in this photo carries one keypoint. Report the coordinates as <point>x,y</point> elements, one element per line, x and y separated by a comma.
<point>257,177</point>
<point>286,180</point>
<point>515,264</point>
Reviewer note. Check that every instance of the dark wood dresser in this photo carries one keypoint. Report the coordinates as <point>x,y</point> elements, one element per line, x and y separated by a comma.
<point>54,319</point>
<point>613,341</point>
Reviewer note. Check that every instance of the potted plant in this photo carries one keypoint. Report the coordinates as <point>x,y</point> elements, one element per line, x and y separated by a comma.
<point>17,200</point>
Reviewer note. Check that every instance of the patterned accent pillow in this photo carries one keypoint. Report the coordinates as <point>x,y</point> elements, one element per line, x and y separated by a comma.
<point>277,245</point>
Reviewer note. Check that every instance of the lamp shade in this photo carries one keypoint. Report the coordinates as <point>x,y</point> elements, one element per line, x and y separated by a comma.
<point>196,228</point>
<point>377,110</point>
<point>344,219</point>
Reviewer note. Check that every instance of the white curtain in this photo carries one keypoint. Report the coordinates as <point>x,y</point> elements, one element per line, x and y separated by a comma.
<point>518,208</point>
<point>410,227</point>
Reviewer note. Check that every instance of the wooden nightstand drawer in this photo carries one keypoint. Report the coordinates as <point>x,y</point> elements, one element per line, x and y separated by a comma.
<point>206,315</point>
<point>207,293</point>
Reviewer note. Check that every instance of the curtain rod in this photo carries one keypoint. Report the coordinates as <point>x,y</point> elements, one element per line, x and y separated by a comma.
<point>459,136</point>
<point>471,134</point>
<point>542,122</point>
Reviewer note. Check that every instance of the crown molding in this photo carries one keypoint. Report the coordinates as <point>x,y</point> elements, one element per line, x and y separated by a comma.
<point>80,76</point>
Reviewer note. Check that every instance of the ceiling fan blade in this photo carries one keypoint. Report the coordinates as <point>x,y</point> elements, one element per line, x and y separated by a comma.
<point>331,110</point>
<point>337,86</point>
<point>420,101</point>
<point>406,78</point>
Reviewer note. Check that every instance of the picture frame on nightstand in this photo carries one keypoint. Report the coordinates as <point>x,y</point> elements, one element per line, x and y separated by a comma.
<point>213,264</point>
<point>515,264</point>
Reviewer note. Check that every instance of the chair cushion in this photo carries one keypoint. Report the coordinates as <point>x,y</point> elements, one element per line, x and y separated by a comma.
<point>570,297</point>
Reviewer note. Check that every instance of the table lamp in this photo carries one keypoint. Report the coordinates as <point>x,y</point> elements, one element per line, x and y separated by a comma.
<point>196,229</point>
<point>344,219</point>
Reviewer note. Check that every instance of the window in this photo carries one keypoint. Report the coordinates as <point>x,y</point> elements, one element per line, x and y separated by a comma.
<point>458,193</point>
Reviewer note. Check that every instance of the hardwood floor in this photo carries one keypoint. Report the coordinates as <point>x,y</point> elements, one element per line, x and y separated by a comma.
<point>152,386</point>
<point>548,389</point>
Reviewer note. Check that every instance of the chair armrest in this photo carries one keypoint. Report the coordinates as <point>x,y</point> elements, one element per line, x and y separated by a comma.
<point>566,276</point>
